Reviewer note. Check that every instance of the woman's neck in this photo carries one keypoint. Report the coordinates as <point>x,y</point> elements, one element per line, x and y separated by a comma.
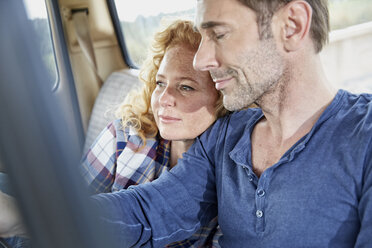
<point>178,147</point>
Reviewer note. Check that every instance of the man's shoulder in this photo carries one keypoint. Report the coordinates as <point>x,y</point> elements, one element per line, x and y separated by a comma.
<point>359,98</point>
<point>358,105</point>
<point>353,116</point>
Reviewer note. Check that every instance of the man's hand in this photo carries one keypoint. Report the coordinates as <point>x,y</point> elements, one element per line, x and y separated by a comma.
<point>10,220</point>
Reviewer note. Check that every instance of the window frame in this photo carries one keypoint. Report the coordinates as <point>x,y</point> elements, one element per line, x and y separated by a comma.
<point>119,34</point>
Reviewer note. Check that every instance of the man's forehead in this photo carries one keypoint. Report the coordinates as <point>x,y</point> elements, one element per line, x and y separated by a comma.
<point>207,12</point>
<point>213,13</point>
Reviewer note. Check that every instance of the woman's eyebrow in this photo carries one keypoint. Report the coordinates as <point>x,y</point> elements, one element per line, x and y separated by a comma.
<point>159,75</point>
<point>181,78</point>
<point>187,79</point>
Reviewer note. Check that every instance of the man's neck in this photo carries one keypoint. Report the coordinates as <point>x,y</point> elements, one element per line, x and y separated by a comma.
<point>290,111</point>
<point>296,102</point>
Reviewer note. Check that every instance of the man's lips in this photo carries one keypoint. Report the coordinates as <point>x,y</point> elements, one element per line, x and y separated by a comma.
<point>221,83</point>
<point>168,119</point>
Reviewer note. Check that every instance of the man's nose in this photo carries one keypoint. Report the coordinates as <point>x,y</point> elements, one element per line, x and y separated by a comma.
<point>205,58</point>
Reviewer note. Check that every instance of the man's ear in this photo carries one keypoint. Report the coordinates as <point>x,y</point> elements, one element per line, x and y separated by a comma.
<point>296,17</point>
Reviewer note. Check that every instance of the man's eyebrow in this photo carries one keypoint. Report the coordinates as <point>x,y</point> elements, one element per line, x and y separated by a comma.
<point>208,25</point>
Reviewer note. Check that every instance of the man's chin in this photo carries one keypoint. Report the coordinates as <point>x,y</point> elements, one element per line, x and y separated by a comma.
<point>235,104</point>
<point>231,106</point>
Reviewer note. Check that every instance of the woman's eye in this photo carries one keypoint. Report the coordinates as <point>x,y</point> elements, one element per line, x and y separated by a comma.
<point>186,88</point>
<point>160,84</point>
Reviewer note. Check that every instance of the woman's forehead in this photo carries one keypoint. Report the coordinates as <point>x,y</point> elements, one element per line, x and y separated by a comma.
<point>178,58</point>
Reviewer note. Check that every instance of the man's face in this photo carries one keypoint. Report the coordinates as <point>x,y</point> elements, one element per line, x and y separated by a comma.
<point>242,66</point>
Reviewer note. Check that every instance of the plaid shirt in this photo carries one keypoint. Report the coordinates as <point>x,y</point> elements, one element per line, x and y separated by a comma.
<point>117,160</point>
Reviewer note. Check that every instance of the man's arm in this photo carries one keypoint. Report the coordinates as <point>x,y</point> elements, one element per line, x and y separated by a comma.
<point>169,209</point>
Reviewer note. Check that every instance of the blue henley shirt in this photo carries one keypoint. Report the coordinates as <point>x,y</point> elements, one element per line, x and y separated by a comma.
<point>319,194</point>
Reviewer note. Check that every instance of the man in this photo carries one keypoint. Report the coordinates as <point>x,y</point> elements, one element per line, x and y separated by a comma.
<point>297,172</point>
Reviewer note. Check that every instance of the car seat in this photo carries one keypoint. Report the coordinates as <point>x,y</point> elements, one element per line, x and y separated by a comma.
<point>112,93</point>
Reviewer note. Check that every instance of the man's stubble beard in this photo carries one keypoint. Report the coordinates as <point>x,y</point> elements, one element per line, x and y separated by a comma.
<point>265,68</point>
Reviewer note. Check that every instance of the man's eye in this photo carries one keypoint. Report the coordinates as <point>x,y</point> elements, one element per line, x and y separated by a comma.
<point>219,36</point>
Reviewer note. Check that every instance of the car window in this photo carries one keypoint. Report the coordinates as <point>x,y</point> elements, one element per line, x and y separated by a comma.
<point>348,55</point>
<point>37,14</point>
<point>345,13</point>
<point>140,19</point>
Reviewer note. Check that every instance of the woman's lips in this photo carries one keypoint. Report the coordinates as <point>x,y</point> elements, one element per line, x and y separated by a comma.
<point>168,119</point>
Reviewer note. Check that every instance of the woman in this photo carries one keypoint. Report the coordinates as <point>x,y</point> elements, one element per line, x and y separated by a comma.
<point>159,123</point>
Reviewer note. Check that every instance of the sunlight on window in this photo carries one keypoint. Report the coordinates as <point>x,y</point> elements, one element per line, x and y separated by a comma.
<point>37,13</point>
<point>129,12</point>
<point>36,9</point>
<point>139,24</point>
<point>344,13</point>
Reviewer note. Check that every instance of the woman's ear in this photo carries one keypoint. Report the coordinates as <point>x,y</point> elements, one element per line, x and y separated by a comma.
<point>296,17</point>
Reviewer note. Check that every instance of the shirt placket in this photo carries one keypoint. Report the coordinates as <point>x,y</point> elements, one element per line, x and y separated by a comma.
<point>260,185</point>
<point>260,198</point>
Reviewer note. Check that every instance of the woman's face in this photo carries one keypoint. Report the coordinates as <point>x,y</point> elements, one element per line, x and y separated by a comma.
<point>184,100</point>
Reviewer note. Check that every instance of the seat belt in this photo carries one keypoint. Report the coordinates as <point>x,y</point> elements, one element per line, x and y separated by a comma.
<point>81,25</point>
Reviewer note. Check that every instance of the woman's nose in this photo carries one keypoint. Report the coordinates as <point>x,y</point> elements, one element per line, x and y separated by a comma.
<point>167,98</point>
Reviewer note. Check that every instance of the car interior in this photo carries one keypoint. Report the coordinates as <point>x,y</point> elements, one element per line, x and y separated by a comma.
<point>65,66</point>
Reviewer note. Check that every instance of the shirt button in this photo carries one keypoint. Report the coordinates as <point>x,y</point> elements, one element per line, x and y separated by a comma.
<point>261,192</point>
<point>259,214</point>
<point>250,177</point>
